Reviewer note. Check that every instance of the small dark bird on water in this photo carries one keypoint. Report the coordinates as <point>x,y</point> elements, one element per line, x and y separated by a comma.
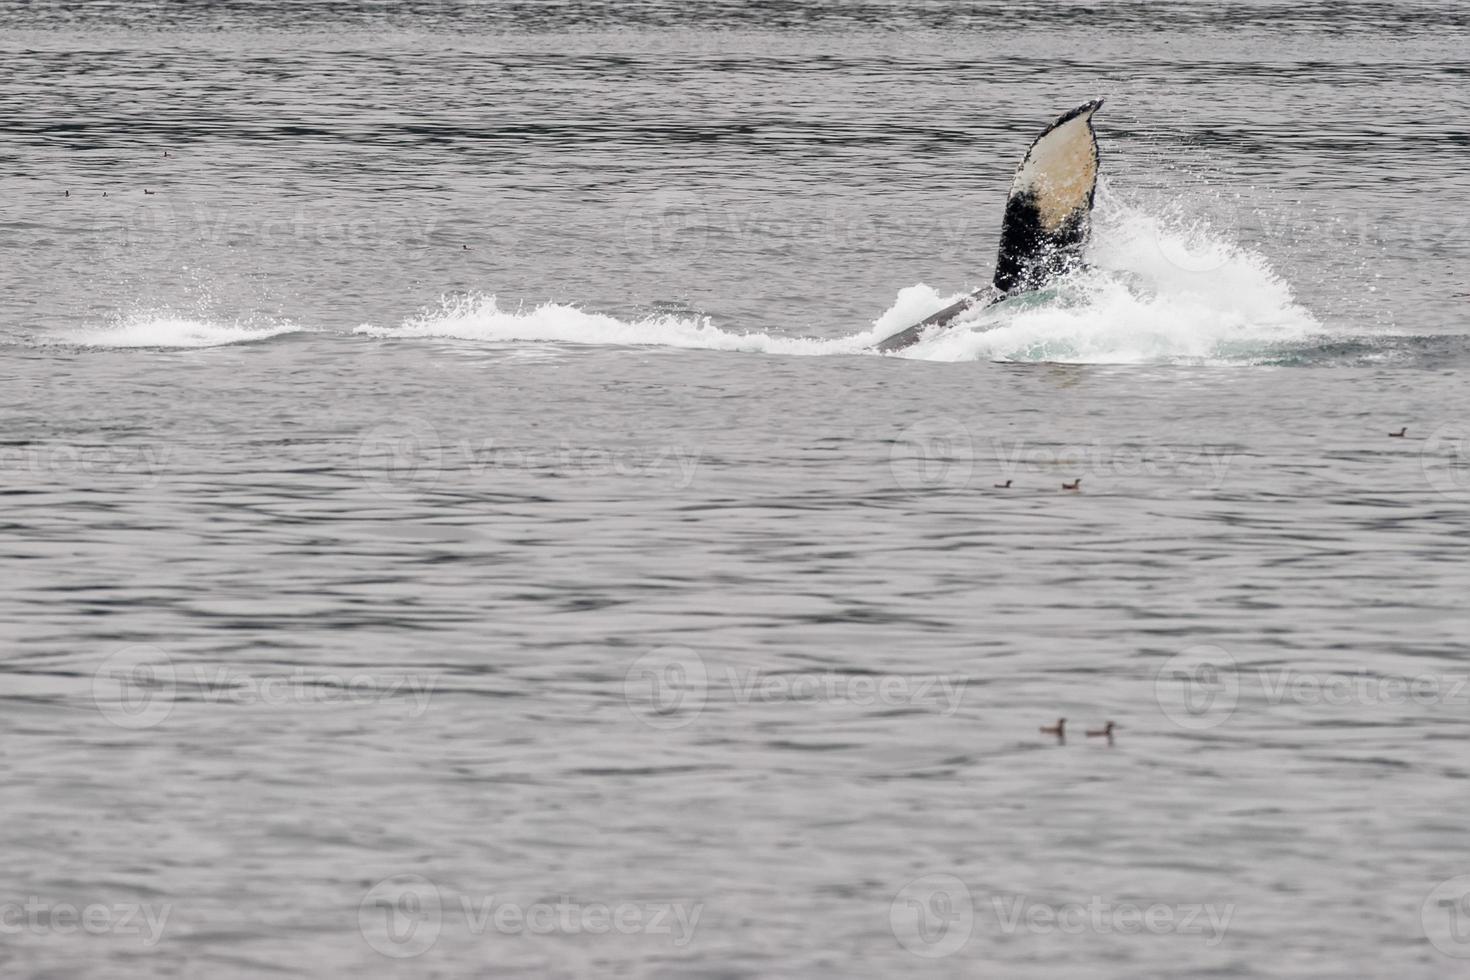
<point>1074,485</point>
<point>1104,732</point>
<point>464,248</point>
<point>1059,729</point>
<point>1399,434</point>
<point>68,193</point>
<point>166,154</point>
<point>147,191</point>
<point>1003,486</point>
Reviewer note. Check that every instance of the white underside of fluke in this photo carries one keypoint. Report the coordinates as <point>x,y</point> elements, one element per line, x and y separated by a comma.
<point>1060,170</point>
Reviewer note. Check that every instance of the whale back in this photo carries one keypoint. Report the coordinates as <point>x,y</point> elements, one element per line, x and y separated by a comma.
<point>1049,209</point>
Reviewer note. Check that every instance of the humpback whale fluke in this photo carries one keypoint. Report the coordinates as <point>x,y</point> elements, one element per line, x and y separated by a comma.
<point>1050,205</point>
<point>1047,218</point>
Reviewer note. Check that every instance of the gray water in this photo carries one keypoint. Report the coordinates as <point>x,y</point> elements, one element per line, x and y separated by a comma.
<point>451,527</point>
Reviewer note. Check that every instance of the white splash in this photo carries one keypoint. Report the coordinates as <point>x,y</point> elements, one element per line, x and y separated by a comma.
<point>481,318</point>
<point>170,331</point>
<point>1157,291</point>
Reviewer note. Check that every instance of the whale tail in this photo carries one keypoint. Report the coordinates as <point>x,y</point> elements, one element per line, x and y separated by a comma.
<point>1049,208</point>
<point>1047,219</point>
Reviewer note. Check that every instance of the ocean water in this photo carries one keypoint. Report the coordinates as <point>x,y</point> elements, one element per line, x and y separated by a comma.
<point>452,525</point>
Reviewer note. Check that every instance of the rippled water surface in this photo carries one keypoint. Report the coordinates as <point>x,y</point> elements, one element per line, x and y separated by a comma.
<point>451,524</point>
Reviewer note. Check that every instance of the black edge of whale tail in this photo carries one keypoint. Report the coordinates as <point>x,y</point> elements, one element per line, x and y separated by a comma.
<point>1046,223</point>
